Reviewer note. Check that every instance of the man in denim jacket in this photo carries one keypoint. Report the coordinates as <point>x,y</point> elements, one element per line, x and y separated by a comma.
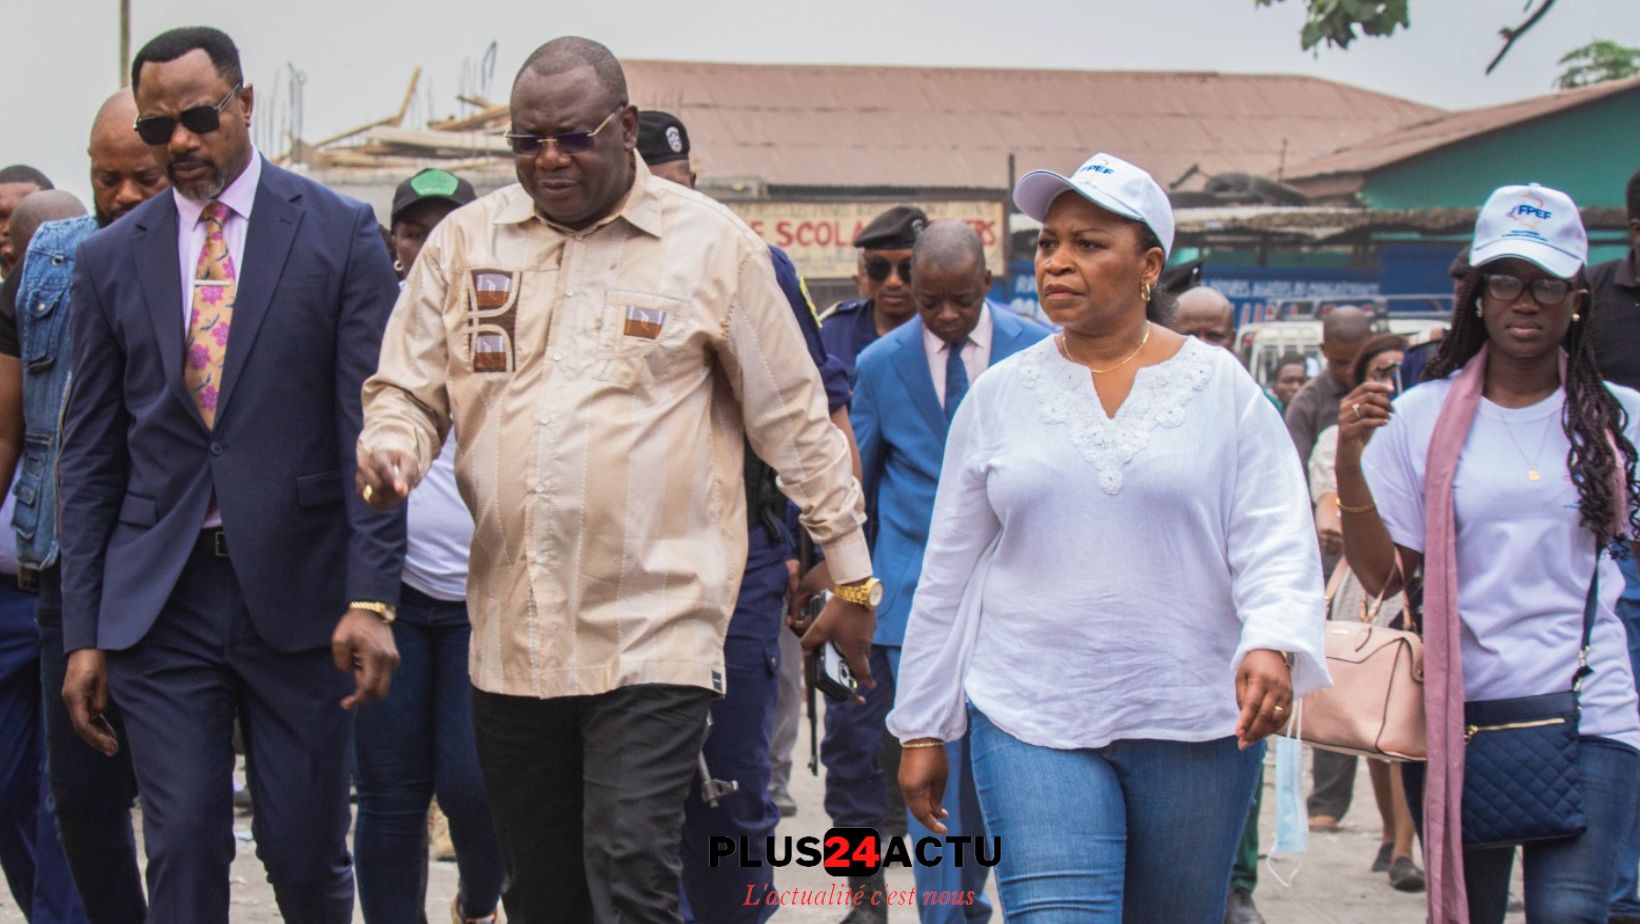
<point>93,793</point>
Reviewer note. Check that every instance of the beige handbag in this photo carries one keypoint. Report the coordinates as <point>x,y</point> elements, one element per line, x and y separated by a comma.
<point>1375,707</point>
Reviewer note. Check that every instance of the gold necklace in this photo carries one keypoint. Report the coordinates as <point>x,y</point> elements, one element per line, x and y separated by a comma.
<point>1531,463</point>
<point>1065,350</point>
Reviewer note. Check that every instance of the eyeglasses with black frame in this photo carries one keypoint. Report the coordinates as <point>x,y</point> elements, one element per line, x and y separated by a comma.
<point>1546,290</point>
<point>524,144</point>
<point>879,269</point>
<point>201,120</point>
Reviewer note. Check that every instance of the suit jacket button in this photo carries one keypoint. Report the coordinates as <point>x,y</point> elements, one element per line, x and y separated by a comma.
<point>216,449</point>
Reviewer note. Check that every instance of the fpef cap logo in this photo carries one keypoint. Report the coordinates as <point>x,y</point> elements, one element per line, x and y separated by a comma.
<point>1531,222</point>
<point>1097,166</point>
<point>1530,211</point>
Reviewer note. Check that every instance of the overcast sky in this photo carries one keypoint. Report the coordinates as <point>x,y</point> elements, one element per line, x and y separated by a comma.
<point>62,56</point>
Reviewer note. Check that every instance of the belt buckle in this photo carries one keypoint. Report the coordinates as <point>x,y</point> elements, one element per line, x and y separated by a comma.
<point>221,544</point>
<point>28,579</point>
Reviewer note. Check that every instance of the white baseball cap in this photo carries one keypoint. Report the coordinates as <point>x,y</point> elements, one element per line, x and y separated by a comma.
<point>1109,182</point>
<point>1534,223</point>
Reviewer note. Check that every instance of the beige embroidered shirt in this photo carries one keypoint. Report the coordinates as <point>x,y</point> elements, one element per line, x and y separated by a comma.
<point>603,380</point>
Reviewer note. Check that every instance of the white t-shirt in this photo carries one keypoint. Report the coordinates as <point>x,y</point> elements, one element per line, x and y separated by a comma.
<point>8,536</point>
<point>1110,573</point>
<point>439,531</point>
<point>1524,561</point>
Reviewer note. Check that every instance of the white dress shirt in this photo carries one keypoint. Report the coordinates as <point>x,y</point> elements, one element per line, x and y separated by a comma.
<point>1091,579</point>
<point>239,197</point>
<point>976,352</point>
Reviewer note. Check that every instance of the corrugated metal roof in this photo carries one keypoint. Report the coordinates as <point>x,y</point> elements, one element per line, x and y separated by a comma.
<point>1375,152</point>
<point>953,128</point>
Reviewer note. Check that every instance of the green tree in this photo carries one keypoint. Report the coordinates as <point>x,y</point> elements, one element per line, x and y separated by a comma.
<point>1335,22</point>
<point>1598,62</point>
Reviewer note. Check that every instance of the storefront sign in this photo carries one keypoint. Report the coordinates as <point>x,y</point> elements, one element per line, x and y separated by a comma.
<point>819,235</point>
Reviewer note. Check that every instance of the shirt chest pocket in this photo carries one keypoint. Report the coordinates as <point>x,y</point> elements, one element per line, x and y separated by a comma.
<point>40,323</point>
<point>641,337</point>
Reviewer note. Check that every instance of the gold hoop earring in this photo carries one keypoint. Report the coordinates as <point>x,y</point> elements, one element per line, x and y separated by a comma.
<point>1144,291</point>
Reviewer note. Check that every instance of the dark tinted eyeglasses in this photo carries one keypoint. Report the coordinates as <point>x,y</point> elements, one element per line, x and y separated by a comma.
<point>527,145</point>
<point>1546,290</point>
<point>879,269</point>
<point>201,120</point>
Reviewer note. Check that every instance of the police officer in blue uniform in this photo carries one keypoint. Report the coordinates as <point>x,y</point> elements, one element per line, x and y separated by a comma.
<point>737,747</point>
<point>883,276</point>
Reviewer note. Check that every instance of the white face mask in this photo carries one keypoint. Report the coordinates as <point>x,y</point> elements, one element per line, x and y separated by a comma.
<point>1292,821</point>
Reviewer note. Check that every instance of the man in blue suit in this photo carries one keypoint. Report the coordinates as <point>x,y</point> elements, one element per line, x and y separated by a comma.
<point>907,388</point>
<point>216,562</point>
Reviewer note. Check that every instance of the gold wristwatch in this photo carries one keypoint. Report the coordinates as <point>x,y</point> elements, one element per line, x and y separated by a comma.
<point>386,611</point>
<point>867,592</point>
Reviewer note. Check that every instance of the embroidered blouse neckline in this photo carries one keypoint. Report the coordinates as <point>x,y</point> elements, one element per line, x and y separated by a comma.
<point>1160,396</point>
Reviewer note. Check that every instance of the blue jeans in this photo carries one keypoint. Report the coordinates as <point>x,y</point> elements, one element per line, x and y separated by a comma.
<point>1134,832</point>
<point>30,854</point>
<point>416,742</point>
<point>1568,881</point>
<point>1624,900</point>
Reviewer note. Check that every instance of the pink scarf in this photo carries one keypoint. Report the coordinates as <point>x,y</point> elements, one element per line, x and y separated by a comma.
<point>1443,663</point>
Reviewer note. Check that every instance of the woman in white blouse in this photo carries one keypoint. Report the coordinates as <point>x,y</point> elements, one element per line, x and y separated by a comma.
<point>1122,592</point>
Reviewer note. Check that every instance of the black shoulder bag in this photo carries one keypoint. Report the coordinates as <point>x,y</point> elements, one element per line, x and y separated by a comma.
<point>1520,780</point>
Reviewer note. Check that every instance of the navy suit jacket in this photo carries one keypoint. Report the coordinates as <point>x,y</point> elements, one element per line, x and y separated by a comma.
<point>139,467</point>
<point>900,427</point>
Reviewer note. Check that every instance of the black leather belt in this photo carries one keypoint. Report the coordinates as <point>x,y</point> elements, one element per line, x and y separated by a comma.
<point>212,543</point>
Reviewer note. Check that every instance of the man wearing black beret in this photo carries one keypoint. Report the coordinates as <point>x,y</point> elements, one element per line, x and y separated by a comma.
<point>663,143</point>
<point>883,276</point>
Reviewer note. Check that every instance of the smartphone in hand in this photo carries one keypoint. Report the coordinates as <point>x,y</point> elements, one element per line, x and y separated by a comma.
<point>831,674</point>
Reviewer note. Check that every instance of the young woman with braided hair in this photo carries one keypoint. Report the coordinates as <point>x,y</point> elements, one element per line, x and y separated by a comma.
<point>1505,478</point>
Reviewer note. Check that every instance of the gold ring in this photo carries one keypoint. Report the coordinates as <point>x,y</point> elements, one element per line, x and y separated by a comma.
<point>1280,709</point>
<point>368,491</point>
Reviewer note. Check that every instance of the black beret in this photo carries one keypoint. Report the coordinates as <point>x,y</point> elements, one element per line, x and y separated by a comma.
<point>895,229</point>
<point>661,137</point>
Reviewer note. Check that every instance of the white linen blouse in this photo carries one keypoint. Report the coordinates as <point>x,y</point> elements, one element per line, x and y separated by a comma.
<point>1090,579</point>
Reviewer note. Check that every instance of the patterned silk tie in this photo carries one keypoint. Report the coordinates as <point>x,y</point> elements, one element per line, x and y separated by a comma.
<point>215,285</point>
<point>956,379</point>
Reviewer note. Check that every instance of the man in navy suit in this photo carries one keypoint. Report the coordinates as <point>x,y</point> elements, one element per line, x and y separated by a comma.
<point>216,563</point>
<point>907,388</point>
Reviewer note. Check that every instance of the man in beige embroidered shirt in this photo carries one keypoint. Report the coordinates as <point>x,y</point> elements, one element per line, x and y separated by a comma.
<point>605,340</point>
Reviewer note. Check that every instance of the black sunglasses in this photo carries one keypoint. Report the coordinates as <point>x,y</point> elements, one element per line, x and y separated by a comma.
<point>201,120</point>
<point>527,145</point>
<point>1546,290</point>
<point>879,269</point>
